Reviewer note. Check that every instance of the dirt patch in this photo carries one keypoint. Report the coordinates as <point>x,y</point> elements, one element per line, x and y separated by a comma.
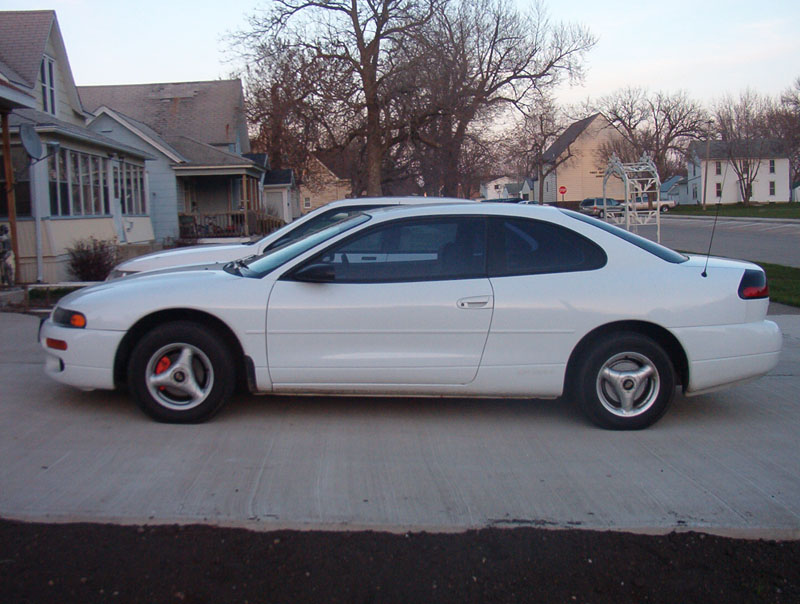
<point>107,563</point>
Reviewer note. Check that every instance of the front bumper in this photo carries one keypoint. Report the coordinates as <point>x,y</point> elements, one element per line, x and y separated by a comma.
<point>88,361</point>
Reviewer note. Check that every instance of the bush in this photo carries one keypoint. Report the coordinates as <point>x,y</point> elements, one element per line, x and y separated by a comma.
<point>92,259</point>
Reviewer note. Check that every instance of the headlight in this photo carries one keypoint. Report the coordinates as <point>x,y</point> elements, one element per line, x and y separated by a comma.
<point>69,318</point>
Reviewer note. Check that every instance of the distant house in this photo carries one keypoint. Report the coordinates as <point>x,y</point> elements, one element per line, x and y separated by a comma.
<point>714,166</point>
<point>281,196</point>
<point>494,188</point>
<point>512,190</point>
<point>87,184</point>
<point>575,161</point>
<point>324,181</point>
<point>676,188</point>
<point>201,181</point>
<point>528,189</point>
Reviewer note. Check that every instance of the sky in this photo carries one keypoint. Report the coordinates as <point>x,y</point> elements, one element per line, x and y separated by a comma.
<point>707,48</point>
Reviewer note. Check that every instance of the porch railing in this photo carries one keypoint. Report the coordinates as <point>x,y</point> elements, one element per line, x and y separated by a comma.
<point>196,225</point>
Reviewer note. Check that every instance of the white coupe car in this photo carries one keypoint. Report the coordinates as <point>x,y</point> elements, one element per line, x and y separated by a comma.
<point>456,300</point>
<point>313,221</point>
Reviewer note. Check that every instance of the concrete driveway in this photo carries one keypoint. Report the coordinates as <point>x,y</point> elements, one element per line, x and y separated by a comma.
<point>726,462</point>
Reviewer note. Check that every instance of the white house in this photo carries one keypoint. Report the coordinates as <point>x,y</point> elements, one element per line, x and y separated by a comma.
<point>714,166</point>
<point>494,188</point>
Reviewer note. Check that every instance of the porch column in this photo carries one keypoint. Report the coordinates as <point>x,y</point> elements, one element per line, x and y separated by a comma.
<point>245,204</point>
<point>11,198</point>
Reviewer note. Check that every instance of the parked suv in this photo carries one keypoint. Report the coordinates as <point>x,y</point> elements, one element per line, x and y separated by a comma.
<point>311,222</point>
<point>596,206</point>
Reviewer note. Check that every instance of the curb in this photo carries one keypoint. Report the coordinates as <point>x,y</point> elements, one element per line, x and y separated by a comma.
<point>670,216</point>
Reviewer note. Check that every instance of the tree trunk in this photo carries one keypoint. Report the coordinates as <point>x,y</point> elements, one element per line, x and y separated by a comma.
<point>374,150</point>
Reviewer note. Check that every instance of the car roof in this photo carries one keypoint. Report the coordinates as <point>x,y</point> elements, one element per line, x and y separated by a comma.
<point>400,200</point>
<point>474,209</point>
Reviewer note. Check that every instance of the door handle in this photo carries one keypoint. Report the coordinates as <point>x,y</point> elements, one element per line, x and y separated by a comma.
<point>475,302</point>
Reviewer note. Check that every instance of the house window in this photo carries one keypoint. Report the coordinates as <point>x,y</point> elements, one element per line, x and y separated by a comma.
<point>497,187</point>
<point>306,202</point>
<point>78,184</point>
<point>718,167</point>
<point>20,163</point>
<point>772,188</point>
<point>130,182</point>
<point>694,191</point>
<point>719,189</point>
<point>772,166</point>
<point>47,75</point>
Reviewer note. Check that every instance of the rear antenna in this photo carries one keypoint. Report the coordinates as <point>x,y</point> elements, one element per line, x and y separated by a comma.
<point>713,228</point>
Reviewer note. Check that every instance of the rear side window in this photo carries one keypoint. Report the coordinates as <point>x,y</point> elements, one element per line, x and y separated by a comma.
<point>654,248</point>
<point>519,246</point>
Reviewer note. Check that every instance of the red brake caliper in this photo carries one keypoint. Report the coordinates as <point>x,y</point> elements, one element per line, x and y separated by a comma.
<point>163,365</point>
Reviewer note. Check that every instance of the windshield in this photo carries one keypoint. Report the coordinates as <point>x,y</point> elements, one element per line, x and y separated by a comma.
<point>258,266</point>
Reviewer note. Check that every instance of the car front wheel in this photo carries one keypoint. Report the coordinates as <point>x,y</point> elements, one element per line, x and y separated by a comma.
<point>181,373</point>
<point>626,382</point>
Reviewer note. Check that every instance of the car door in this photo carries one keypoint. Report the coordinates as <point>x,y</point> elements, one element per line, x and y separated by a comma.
<point>403,303</point>
<point>547,282</point>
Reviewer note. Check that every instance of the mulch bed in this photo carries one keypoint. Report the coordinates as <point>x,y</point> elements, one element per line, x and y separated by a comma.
<point>85,563</point>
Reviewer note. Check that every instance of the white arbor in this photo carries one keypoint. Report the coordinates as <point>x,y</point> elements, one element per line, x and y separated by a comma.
<point>642,185</point>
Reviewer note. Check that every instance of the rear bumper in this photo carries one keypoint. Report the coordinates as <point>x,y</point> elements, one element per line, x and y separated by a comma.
<point>724,355</point>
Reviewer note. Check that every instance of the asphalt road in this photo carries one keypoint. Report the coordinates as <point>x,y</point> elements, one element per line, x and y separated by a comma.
<point>760,240</point>
<point>726,462</point>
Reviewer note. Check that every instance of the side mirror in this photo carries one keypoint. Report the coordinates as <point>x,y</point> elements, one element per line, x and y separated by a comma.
<point>315,273</point>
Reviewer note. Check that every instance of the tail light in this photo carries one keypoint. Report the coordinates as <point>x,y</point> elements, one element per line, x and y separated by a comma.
<point>753,285</point>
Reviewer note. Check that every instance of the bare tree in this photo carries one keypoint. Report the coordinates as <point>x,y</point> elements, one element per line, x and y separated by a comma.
<point>283,104</point>
<point>660,124</point>
<point>357,38</point>
<point>741,125</point>
<point>482,57</point>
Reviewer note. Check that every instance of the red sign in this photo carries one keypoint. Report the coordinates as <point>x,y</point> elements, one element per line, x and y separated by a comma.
<point>562,190</point>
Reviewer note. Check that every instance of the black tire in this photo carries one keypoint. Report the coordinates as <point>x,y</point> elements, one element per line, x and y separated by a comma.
<point>196,369</point>
<point>625,370</point>
<point>664,209</point>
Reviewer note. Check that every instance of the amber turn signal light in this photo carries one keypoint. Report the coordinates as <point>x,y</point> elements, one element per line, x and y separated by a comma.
<point>56,344</point>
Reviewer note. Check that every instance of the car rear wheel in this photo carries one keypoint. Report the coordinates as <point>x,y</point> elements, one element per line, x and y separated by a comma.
<point>181,373</point>
<point>625,382</point>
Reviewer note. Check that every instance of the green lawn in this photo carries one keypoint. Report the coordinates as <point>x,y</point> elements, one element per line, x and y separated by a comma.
<point>784,283</point>
<point>767,210</point>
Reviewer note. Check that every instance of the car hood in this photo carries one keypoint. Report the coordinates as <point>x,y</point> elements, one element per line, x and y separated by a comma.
<point>197,254</point>
<point>119,303</point>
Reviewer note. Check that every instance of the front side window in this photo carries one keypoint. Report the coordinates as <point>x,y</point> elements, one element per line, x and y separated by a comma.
<point>719,189</point>
<point>718,167</point>
<point>519,246</point>
<point>772,166</point>
<point>772,188</point>
<point>422,249</point>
